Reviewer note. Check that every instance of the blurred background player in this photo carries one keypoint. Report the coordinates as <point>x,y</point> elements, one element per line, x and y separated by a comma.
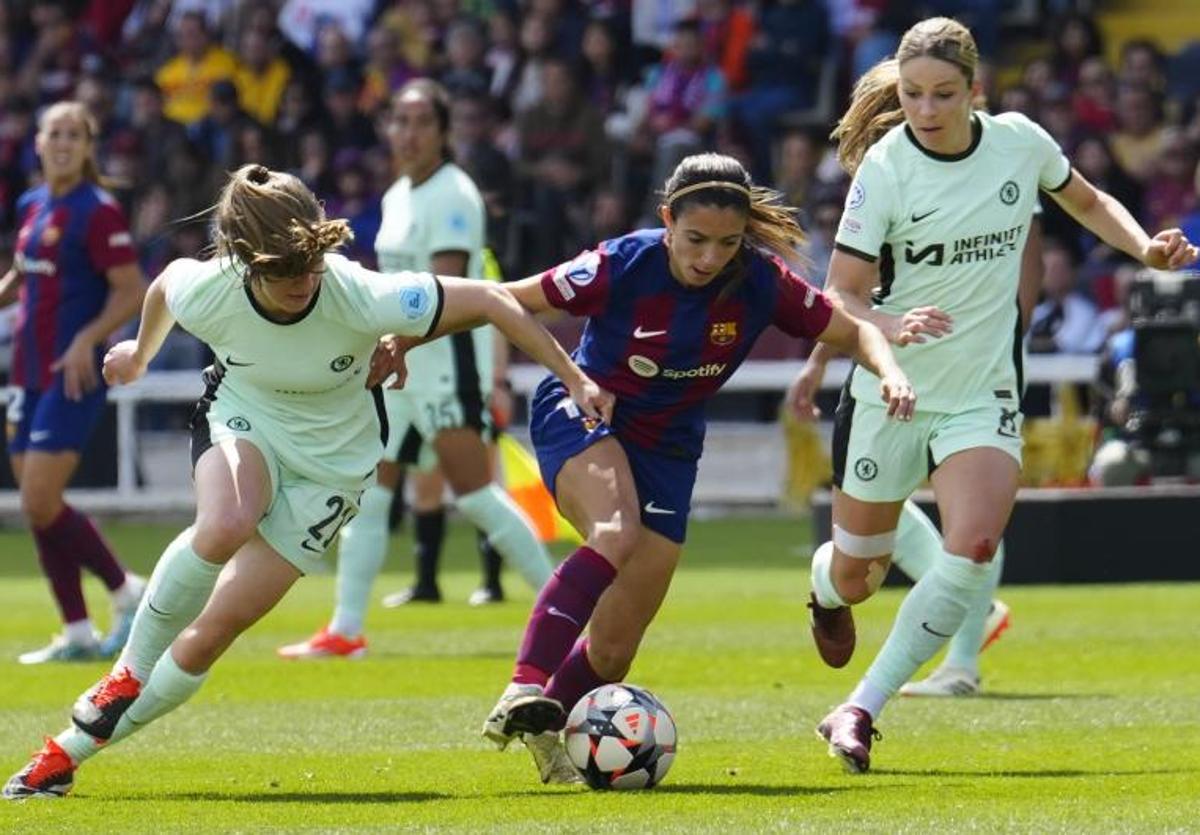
<point>281,439</point>
<point>78,280</point>
<point>429,514</point>
<point>433,219</point>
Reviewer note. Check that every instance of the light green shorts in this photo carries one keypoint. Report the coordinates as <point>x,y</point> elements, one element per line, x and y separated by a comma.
<point>880,459</point>
<point>304,516</point>
<point>416,417</point>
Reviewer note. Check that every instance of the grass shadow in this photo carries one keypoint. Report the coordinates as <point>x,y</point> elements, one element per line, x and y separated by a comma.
<point>1054,773</point>
<point>1040,697</point>
<point>760,790</point>
<point>271,796</point>
<point>744,789</point>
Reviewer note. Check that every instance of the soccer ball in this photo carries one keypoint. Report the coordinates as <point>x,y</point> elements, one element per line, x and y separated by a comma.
<point>621,737</point>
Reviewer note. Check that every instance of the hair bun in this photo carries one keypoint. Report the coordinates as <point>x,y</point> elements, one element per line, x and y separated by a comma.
<point>260,175</point>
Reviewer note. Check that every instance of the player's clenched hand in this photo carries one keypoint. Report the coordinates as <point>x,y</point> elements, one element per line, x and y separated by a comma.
<point>1169,250</point>
<point>592,400</point>
<point>919,323</point>
<point>123,364</point>
<point>388,359</point>
<point>898,394</point>
<point>802,393</point>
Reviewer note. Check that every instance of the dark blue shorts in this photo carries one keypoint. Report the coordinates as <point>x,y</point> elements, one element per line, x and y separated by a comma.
<point>46,421</point>
<point>664,483</point>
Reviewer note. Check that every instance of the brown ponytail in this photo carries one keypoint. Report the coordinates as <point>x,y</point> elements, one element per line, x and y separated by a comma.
<point>272,223</point>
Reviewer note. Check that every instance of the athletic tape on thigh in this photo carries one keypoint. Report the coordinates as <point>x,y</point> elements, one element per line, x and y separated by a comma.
<point>863,547</point>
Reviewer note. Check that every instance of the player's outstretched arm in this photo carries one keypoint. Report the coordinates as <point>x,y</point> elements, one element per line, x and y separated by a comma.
<point>1104,215</point>
<point>867,345</point>
<point>127,361</point>
<point>529,292</point>
<point>469,303</point>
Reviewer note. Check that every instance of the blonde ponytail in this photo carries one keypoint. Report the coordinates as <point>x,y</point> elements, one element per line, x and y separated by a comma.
<point>875,103</point>
<point>874,110</point>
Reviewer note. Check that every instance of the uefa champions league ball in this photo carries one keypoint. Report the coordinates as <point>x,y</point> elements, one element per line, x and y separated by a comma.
<point>620,737</point>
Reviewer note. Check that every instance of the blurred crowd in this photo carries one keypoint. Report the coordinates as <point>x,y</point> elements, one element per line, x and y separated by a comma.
<point>569,113</point>
<point>1132,129</point>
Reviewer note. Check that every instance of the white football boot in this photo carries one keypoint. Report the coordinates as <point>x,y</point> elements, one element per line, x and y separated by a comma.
<point>554,766</point>
<point>944,681</point>
<point>522,709</point>
<point>997,623</point>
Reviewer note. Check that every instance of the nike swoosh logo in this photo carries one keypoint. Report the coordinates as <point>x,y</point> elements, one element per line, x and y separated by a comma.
<point>559,613</point>
<point>40,435</point>
<point>638,333</point>
<point>651,508</point>
<point>916,218</point>
<point>231,361</point>
<point>925,626</point>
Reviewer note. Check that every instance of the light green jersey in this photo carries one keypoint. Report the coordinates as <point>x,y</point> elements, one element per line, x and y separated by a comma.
<point>301,383</point>
<point>949,231</point>
<point>445,213</point>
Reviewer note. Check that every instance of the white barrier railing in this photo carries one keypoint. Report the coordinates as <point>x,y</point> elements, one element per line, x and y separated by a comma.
<point>186,387</point>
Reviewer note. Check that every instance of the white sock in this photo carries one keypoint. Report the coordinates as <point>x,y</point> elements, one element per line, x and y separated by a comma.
<point>80,632</point>
<point>869,697</point>
<point>918,542</point>
<point>79,745</point>
<point>129,593</point>
<point>361,552</point>
<point>167,688</point>
<point>822,582</point>
<point>512,535</point>
<point>179,587</point>
<point>918,545</point>
<point>964,648</point>
<point>929,616</point>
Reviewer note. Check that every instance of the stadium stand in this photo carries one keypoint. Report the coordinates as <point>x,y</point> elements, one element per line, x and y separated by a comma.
<point>183,91</point>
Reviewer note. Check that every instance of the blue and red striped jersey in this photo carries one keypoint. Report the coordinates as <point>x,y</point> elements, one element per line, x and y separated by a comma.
<point>64,246</point>
<point>663,348</point>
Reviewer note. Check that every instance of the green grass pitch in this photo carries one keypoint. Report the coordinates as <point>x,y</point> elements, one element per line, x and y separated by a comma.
<point>1089,723</point>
